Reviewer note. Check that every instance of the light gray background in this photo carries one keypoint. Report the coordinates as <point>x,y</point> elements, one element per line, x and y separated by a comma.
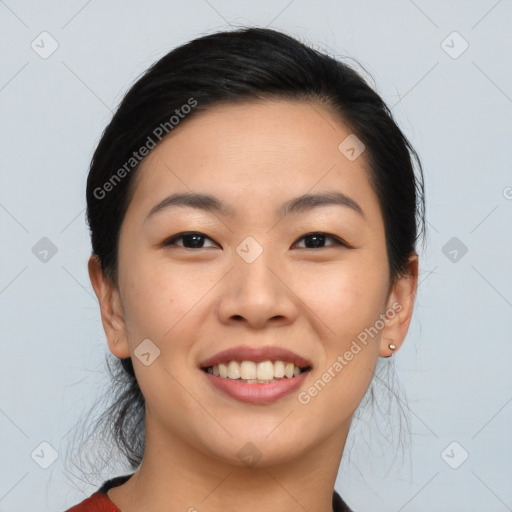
<point>457,112</point>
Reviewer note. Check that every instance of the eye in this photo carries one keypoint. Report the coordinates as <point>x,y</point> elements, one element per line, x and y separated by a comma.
<point>195,240</point>
<point>191,240</point>
<point>318,239</point>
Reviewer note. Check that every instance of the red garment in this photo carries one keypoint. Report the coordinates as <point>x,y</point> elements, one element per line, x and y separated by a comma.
<point>98,502</point>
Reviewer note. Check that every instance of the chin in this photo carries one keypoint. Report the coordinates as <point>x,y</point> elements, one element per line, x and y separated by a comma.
<point>258,446</point>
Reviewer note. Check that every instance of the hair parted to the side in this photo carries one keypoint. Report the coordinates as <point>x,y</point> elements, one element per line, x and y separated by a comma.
<point>235,66</point>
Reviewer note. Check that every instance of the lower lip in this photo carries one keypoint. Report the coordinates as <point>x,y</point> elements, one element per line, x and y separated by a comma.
<point>256,393</point>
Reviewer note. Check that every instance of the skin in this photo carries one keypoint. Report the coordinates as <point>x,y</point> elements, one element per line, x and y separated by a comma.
<point>194,302</point>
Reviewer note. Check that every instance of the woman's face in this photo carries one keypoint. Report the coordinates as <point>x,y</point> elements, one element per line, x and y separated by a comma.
<point>248,276</point>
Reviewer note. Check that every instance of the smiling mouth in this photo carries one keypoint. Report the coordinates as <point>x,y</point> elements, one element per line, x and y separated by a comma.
<point>252,372</point>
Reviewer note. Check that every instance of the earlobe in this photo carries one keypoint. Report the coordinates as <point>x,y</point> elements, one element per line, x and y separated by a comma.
<point>112,316</point>
<point>119,347</point>
<point>399,309</point>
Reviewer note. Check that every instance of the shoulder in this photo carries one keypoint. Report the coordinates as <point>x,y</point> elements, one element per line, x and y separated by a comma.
<point>98,502</point>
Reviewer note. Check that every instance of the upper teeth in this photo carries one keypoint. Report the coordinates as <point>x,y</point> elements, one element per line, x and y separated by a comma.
<point>249,370</point>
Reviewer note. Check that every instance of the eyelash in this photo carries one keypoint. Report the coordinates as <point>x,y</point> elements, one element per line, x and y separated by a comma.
<point>338,241</point>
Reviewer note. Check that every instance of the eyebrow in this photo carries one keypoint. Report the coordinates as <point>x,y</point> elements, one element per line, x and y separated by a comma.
<point>209,203</point>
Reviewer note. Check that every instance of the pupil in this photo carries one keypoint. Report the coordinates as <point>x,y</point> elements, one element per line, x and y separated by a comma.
<point>317,236</point>
<point>198,240</point>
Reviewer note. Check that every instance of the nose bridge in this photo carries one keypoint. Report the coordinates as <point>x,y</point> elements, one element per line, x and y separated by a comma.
<point>254,291</point>
<point>254,279</point>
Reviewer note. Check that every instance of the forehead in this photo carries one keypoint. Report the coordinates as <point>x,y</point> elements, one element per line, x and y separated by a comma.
<point>254,155</point>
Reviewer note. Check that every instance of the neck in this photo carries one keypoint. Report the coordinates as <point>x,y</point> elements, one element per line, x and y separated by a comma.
<point>176,476</point>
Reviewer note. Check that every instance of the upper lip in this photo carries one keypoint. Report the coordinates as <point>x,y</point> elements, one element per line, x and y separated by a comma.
<point>246,353</point>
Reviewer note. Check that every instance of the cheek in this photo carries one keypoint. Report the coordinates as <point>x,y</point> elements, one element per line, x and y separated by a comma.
<point>154,298</point>
<point>161,297</point>
<point>348,297</point>
<point>352,304</point>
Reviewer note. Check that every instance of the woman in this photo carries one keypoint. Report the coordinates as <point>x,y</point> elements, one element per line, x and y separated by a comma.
<point>254,214</point>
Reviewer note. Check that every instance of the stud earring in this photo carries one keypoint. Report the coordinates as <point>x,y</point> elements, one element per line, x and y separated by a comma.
<point>391,347</point>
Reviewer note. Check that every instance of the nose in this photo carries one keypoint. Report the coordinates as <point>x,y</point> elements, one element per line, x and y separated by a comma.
<point>257,294</point>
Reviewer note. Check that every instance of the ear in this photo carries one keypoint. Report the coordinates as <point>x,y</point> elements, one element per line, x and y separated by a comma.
<point>112,315</point>
<point>399,308</point>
